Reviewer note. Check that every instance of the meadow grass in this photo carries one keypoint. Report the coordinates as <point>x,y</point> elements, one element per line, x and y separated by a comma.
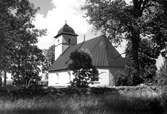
<point>96,101</point>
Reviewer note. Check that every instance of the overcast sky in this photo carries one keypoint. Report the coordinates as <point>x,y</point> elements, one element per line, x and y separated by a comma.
<point>53,14</point>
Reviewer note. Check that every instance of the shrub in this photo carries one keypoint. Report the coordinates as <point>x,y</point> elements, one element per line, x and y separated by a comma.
<point>122,79</point>
<point>85,73</point>
<point>162,75</point>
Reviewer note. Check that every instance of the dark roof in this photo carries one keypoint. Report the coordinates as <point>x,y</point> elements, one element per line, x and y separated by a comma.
<point>66,29</point>
<point>100,49</point>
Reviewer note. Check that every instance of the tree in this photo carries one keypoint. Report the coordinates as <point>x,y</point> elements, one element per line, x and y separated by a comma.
<point>132,22</point>
<point>85,73</point>
<point>50,55</point>
<point>49,58</point>
<point>122,79</point>
<point>20,55</point>
<point>5,35</point>
<point>147,65</point>
<point>147,61</point>
<point>162,75</point>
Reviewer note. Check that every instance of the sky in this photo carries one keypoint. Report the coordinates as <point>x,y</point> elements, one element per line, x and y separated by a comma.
<point>54,13</point>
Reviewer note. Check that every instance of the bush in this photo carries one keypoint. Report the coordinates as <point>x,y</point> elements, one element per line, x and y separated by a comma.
<point>122,79</point>
<point>162,75</point>
<point>85,73</point>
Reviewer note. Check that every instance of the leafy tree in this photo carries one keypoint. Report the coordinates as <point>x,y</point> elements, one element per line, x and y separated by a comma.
<point>85,73</point>
<point>49,58</point>
<point>147,61</point>
<point>20,55</point>
<point>162,75</point>
<point>122,79</point>
<point>5,37</point>
<point>134,21</point>
<point>51,54</point>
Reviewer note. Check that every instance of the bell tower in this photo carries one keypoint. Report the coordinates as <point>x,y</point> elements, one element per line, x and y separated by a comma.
<point>65,38</point>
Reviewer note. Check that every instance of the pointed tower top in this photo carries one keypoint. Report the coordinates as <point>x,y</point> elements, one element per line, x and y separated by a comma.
<point>66,29</point>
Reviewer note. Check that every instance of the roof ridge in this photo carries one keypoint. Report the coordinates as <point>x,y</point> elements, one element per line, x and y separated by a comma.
<point>93,38</point>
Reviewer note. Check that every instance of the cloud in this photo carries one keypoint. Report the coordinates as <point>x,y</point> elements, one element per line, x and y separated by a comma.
<point>44,5</point>
<point>69,10</point>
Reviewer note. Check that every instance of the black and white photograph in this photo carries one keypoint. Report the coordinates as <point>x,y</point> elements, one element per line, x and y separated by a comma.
<point>83,56</point>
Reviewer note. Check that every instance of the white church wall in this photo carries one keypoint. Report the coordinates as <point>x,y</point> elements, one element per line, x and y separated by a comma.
<point>64,78</point>
<point>60,78</point>
<point>103,78</point>
<point>52,78</point>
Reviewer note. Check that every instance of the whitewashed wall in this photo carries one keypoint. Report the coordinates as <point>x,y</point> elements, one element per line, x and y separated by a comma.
<point>104,79</point>
<point>60,78</point>
<point>64,78</point>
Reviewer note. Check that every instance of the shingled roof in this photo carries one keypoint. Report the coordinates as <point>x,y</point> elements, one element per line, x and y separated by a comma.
<point>66,29</point>
<point>102,52</point>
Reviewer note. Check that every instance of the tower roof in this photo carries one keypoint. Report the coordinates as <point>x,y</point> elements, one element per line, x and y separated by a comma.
<point>66,30</point>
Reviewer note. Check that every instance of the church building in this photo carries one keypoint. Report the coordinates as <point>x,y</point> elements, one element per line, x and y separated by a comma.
<point>104,56</point>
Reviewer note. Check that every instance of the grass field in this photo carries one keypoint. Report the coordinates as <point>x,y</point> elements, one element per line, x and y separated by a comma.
<point>94,101</point>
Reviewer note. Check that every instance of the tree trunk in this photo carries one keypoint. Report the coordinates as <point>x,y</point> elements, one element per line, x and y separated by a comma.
<point>135,49</point>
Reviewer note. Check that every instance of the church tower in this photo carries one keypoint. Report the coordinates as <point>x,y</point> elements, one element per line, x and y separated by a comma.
<point>65,38</point>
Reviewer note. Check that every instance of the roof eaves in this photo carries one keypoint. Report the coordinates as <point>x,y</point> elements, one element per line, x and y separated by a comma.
<point>65,33</point>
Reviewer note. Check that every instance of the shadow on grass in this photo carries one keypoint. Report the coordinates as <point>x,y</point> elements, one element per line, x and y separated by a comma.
<point>132,105</point>
<point>83,111</point>
<point>80,101</point>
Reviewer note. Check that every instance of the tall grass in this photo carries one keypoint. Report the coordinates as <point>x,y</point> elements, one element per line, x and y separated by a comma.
<point>100,101</point>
